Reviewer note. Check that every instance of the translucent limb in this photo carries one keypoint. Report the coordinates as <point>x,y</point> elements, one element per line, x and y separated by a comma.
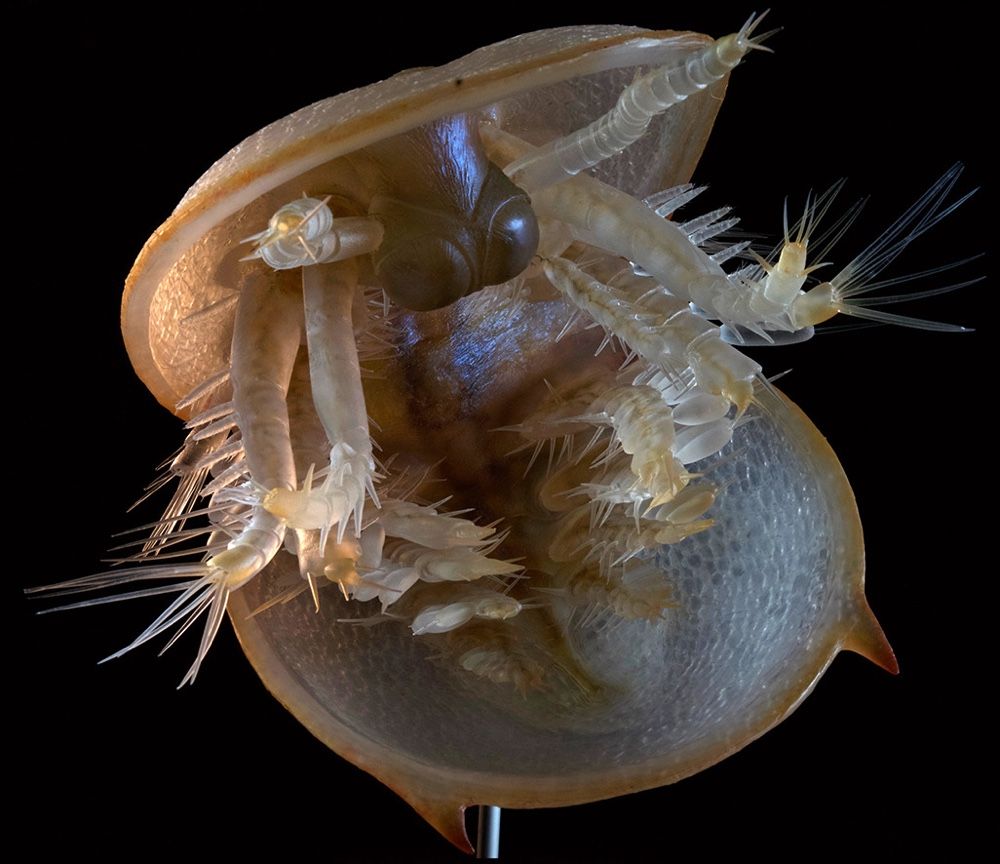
<point>639,103</point>
<point>846,292</point>
<point>476,603</point>
<point>305,232</point>
<point>266,338</point>
<point>338,397</point>
<point>661,329</point>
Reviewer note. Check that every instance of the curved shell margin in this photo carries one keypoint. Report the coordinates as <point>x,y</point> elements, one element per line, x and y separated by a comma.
<point>345,123</point>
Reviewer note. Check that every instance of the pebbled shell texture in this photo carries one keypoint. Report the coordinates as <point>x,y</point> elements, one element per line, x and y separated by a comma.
<point>858,745</point>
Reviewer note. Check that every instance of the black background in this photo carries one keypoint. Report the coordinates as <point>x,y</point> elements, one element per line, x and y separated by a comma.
<point>114,762</point>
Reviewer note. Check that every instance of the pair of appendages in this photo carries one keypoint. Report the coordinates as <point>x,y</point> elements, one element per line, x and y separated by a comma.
<point>621,475</point>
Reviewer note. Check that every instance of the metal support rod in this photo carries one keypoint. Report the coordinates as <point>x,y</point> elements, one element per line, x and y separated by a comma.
<point>488,832</point>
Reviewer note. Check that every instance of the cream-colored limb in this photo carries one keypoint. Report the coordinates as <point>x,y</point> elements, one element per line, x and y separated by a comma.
<point>638,104</point>
<point>335,376</point>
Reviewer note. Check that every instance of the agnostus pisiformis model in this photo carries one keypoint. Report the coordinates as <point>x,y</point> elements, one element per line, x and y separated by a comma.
<point>383,323</point>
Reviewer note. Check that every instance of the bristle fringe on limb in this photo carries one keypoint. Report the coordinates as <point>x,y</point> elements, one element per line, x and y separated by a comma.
<point>857,279</point>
